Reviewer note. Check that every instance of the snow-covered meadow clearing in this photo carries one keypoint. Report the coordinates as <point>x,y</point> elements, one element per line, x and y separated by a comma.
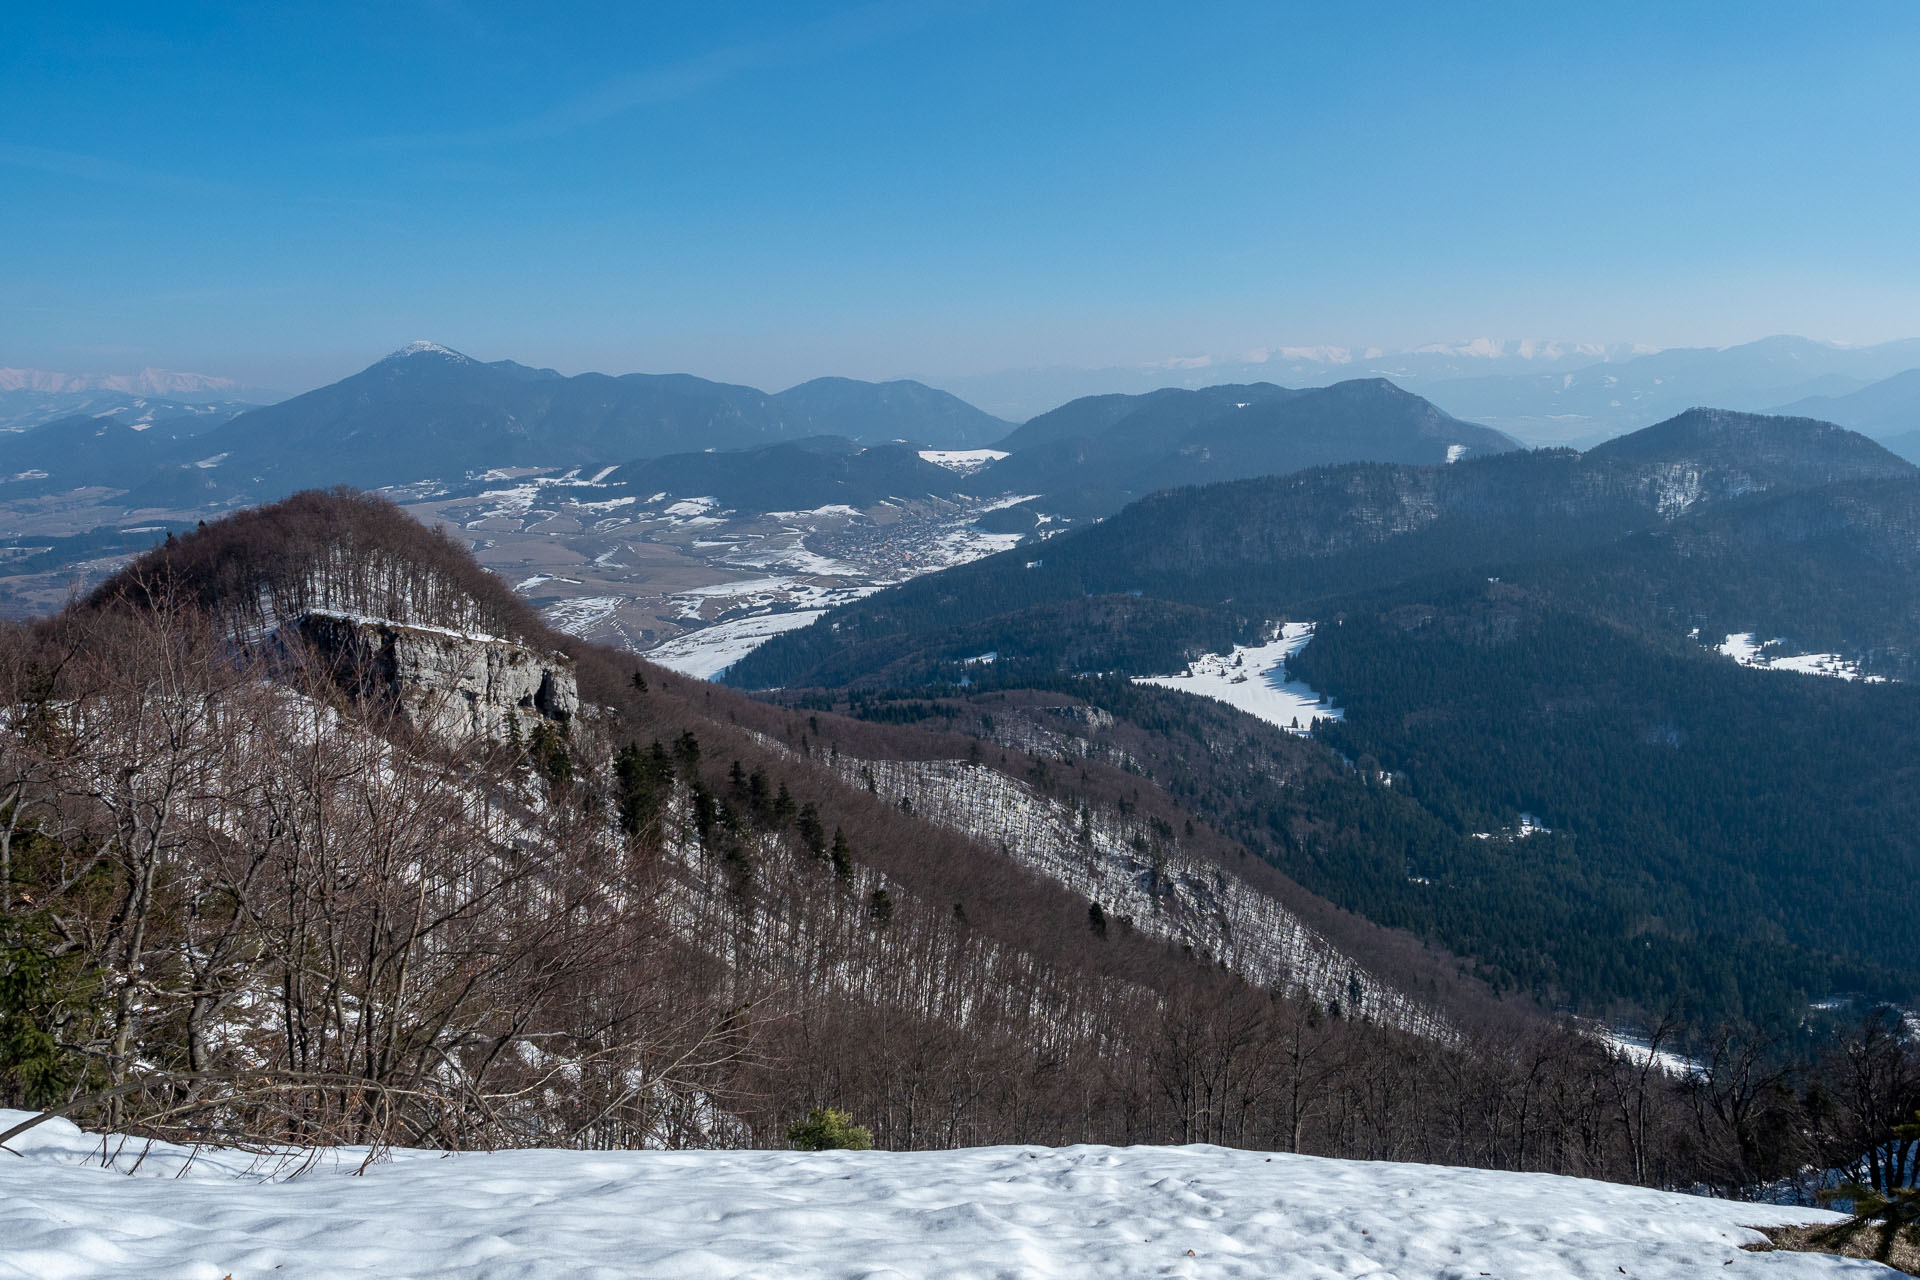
<point>965,461</point>
<point>709,651</point>
<point>1254,679</point>
<point>1000,1212</point>
<point>1747,649</point>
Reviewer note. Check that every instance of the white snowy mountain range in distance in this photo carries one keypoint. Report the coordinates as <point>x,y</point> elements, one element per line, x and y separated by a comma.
<point>147,382</point>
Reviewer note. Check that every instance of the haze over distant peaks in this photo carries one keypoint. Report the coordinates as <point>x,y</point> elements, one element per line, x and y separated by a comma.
<point>1545,392</point>
<point>147,382</point>
<point>190,401</point>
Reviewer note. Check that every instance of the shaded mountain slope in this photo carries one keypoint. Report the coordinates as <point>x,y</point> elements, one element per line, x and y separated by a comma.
<point>1528,634</point>
<point>1093,456</point>
<point>792,477</point>
<point>879,411</point>
<point>1250,550</point>
<point>829,876</point>
<point>1137,421</point>
<point>429,412</point>
<point>1727,454</point>
<point>72,452</point>
<point>1883,410</point>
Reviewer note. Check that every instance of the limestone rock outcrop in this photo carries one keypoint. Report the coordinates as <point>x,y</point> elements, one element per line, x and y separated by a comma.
<point>445,682</point>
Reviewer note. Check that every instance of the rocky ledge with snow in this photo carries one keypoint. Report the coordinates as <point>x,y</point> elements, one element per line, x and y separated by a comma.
<point>446,682</point>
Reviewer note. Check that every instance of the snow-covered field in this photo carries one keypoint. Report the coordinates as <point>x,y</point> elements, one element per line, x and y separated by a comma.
<point>1073,1213</point>
<point>709,651</point>
<point>803,585</point>
<point>1747,650</point>
<point>1633,1046</point>
<point>648,571</point>
<point>964,461</point>
<point>1254,679</point>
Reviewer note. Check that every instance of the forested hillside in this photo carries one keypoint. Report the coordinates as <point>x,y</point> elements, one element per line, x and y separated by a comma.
<point>253,895</point>
<point>1531,634</point>
<point>428,412</point>
<point>1094,455</point>
<point>786,477</point>
<point>1233,555</point>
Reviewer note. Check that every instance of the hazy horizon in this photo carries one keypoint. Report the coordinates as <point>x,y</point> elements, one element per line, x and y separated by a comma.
<point>768,193</point>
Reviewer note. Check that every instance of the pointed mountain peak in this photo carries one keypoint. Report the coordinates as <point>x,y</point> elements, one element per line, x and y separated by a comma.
<point>425,348</point>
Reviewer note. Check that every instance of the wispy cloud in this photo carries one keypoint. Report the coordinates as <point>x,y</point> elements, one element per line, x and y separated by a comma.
<point>838,33</point>
<point>69,164</point>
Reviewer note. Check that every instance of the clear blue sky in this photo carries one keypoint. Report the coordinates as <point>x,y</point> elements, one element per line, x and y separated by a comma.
<point>764,192</point>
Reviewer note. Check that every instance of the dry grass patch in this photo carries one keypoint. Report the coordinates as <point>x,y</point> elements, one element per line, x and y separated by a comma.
<point>1846,1239</point>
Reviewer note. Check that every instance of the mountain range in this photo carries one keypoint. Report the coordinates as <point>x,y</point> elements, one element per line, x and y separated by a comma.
<point>1888,410</point>
<point>958,858</point>
<point>182,403</point>
<point>801,475</point>
<point>1094,455</point>
<point>427,412</point>
<point>1542,393</point>
<point>430,413</point>
<point>636,871</point>
<point>1515,641</point>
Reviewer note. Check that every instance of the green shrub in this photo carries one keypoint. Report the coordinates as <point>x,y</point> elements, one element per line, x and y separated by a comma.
<point>826,1129</point>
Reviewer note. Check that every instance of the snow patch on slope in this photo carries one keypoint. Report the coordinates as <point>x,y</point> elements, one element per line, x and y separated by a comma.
<point>1747,650</point>
<point>963,461</point>
<point>707,653</point>
<point>1254,679</point>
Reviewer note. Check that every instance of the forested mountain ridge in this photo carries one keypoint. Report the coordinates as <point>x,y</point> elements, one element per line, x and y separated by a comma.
<point>1164,413</point>
<point>69,452</point>
<point>1885,410</point>
<point>876,412</point>
<point>1092,456</point>
<point>704,912</point>
<point>1233,555</point>
<point>1529,634</point>
<point>792,476</point>
<point>244,901</point>
<point>1736,453</point>
<point>427,412</point>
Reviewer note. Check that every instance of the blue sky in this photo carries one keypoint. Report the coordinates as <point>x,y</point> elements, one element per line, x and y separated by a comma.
<point>766,192</point>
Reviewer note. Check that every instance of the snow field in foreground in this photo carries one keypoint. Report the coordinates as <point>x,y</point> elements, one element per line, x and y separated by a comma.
<point>1032,1212</point>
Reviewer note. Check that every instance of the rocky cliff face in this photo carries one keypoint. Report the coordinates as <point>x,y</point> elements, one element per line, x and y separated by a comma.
<point>1150,884</point>
<point>445,682</point>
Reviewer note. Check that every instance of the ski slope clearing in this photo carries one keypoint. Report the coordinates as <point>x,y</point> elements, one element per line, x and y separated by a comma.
<point>1254,679</point>
<point>1073,1213</point>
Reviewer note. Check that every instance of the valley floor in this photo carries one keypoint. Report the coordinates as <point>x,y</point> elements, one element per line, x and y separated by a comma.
<point>988,1212</point>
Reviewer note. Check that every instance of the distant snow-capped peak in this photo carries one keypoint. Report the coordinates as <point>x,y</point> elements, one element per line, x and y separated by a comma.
<point>1523,349</point>
<point>425,348</point>
<point>1488,349</point>
<point>148,382</point>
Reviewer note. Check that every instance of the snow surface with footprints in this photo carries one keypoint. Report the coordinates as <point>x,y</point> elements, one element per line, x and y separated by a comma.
<point>1071,1213</point>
